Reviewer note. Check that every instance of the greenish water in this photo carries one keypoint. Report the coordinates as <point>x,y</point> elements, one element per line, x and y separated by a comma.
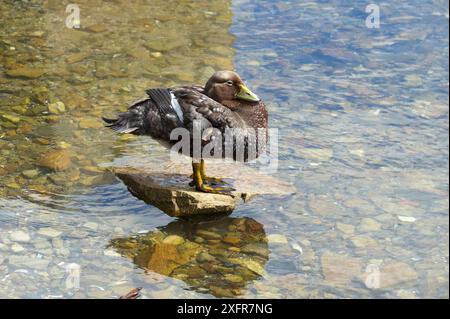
<point>363,123</point>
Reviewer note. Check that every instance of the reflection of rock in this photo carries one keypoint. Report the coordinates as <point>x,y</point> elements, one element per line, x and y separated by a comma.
<point>171,192</point>
<point>198,254</point>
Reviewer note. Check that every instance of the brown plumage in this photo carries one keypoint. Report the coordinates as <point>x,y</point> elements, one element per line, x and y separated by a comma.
<point>223,103</point>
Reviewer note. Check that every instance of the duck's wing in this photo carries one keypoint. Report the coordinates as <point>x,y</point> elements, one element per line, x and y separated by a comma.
<point>197,106</point>
<point>155,115</point>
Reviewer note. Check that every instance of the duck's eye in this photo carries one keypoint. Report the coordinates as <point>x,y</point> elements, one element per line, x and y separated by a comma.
<point>229,82</point>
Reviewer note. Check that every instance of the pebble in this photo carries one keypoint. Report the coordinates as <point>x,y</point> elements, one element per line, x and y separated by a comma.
<point>277,239</point>
<point>96,28</point>
<point>339,269</point>
<point>19,236</point>
<point>173,240</point>
<point>111,253</point>
<point>76,57</point>
<point>205,257</point>
<point>17,248</point>
<point>316,154</point>
<point>369,225</point>
<point>397,273</point>
<point>49,232</point>
<point>232,240</point>
<point>25,72</point>
<point>32,262</point>
<point>57,160</point>
<point>208,234</point>
<point>258,249</point>
<point>363,242</point>
<point>30,173</point>
<point>407,219</point>
<point>346,228</point>
<point>12,118</point>
<point>86,123</point>
<point>324,206</point>
<point>233,278</point>
<point>56,108</point>
<point>91,225</point>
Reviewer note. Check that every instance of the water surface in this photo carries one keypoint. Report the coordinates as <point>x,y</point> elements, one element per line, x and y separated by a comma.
<point>363,123</point>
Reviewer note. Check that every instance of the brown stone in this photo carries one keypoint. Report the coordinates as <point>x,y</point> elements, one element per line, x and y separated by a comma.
<point>25,72</point>
<point>57,160</point>
<point>339,269</point>
<point>397,273</point>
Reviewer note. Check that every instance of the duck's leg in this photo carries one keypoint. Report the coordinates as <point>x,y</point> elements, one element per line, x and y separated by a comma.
<point>200,183</point>
<point>208,178</point>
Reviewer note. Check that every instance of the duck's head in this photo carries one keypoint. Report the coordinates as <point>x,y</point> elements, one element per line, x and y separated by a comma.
<point>227,86</point>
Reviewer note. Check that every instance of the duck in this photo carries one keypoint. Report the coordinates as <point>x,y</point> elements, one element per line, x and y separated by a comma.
<point>223,104</point>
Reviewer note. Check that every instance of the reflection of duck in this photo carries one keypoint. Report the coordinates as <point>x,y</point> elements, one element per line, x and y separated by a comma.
<point>225,102</point>
<point>218,256</point>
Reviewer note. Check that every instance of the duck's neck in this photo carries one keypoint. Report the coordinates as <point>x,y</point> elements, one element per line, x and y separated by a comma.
<point>253,113</point>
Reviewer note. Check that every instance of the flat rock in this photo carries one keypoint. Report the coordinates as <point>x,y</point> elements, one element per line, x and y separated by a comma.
<point>170,191</point>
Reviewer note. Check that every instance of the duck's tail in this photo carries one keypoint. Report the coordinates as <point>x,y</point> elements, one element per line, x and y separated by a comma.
<point>131,121</point>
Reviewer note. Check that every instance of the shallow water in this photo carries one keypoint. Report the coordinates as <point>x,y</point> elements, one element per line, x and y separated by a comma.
<point>363,135</point>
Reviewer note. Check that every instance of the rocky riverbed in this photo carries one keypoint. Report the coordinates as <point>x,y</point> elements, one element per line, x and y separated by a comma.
<point>362,117</point>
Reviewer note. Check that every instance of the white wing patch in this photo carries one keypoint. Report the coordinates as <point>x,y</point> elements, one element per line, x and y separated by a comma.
<point>176,106</point>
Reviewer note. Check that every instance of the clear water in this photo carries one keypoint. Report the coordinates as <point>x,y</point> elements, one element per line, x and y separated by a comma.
<point>363,121</point>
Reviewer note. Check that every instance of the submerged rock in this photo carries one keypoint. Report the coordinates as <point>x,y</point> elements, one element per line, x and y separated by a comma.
<point>340,269</point>
<point>25,72</point>
<point>20,236</point>
<point>397,273</point>
<point>57,160</point>
<point>49,232</point>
